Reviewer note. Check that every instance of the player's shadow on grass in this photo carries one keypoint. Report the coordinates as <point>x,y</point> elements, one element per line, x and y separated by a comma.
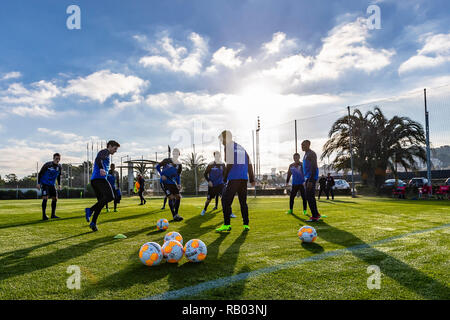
<point>13,225</point>
<point>338,201</point>
<point>123,218</point>
<point>22,253</point>
<point>397,270</point>
<point>12,266</point>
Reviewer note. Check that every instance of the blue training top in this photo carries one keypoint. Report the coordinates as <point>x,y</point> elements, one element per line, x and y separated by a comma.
<point>310,169</point>
<point>49,173</point>
<point>237,163</point>
<point>296,170</point>
<point>169,170</point>
<point>214,173</point>
<point>102,161</point>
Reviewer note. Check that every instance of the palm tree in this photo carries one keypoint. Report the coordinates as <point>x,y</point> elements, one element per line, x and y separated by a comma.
<point>194,167</point>
<point>378,144</point>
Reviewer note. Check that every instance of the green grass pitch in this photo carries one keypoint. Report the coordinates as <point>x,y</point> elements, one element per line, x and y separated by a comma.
<point>35,255</point>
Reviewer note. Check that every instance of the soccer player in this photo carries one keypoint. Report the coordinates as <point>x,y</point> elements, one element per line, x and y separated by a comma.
<point>322,186</point>
<point>330,185</point>
<point>214,174</point>
<point>296,171</point>
<point>165,196</point>
<point>238,171</point>
<point>141,181</point>
<point>49,174</point>
<point>103,190</point>
<point>170,173</point>
<point>311,173</point>
<point>113,179</point>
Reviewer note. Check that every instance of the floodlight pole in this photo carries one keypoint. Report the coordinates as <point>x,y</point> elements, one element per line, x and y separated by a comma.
<point>427,131</point>
<point>295,121</point>
<point>195,169</point>
<point>351,152</point>
<point>253,144</point>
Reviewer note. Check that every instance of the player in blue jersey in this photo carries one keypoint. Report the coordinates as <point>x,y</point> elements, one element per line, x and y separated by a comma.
<point>296,171</point>
<point>214,174</point>
<point>238,172</point>
<point>170,173</point>
<point>311,172</point>
<point>49,174</point>
<point>113,179</point>
<point>103,190</point>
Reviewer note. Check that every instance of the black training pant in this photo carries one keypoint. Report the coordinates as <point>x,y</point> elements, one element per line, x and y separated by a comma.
<point>322,190</point>
<point>330,191</point>
<point>295,189</point>
<point>310,196</point>
<point>104,193</point>
<point>233,187</point>
<point>141,195</point>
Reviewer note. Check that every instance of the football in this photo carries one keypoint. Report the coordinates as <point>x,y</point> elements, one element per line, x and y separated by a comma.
<point>307,234</point>
<point>151,254</point>
<point>173,251</point>
<point>195,250</point>
<point>162,224</point>
<point>173,235</point>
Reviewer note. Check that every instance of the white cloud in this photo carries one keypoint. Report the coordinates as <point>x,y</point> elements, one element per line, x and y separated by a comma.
<point>42,94</point>
<point>178,58</point>
<point>227,57</point>
<point>345,48</point>
<point>64,136</point>
<point>11,75</point>
<point>434,53</point>
<point>103,84</point>
<point>278,44</point>
<point>35,111</point>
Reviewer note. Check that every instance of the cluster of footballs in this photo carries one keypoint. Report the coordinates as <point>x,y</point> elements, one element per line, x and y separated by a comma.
<point>152,254</point>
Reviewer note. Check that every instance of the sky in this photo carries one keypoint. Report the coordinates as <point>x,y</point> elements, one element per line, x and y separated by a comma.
<point>155,73</point>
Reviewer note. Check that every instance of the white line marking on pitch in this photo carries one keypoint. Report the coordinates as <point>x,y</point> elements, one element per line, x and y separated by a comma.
<point>226,281</point>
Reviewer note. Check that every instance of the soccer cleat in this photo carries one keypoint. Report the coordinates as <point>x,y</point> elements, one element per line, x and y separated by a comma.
<point>177,217</point>
<point>44,218</point>
<point>93,226</point>
<point>88,214</point>
<point>107,209</point>
<point>289,211</point>
<point>246,227</point>
<point>203,212</point>
<point>305,213</point>
<point>115,210</point>
<point>232,215</point>
<point>54,217</point>
<point>163,208</point>
<point>224,228</point>
<point>312,219</point>
<point>215,208</point>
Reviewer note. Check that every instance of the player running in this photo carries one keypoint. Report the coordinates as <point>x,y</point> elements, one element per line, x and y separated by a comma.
<point>113,179</point>
<point>49,174</point>
<point>214,174</point>
<point>238,171</point>
<point>311,172</point>
<point>170,172</point>
<point>296,171</point>
<point>103,190</point>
